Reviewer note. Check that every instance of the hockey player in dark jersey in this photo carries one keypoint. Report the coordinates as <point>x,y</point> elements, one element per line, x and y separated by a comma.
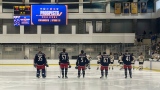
<point>105,61</point>
<point>127,59</point>
<point>64,62</point>
<point>40,62</point>
<point>81,63</point>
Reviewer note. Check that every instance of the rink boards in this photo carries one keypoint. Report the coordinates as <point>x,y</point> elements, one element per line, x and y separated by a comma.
<point>154,65</point>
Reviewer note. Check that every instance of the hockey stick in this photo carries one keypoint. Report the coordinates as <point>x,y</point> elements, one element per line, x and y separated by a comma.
<point>46,71</point>
<point>60,72</point>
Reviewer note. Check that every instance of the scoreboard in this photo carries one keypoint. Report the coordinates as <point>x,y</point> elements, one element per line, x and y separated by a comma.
<point>22,10</point>
<point>40,14</point>
<point>21,15</point>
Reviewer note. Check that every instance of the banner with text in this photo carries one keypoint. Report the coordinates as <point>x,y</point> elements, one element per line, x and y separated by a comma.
<point>49,14</point>
<point>126,7</point>
<point>134,8</point>
<point>117,9</point>
<point>143,7</point>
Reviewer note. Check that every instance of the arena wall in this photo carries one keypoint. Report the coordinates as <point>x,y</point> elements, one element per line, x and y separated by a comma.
<point>68,38</point>
<point>147,64</point>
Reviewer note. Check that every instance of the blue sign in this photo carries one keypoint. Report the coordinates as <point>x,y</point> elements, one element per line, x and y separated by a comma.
<point>22,20</point>
<point>49,14</point>
<point>16,20</point>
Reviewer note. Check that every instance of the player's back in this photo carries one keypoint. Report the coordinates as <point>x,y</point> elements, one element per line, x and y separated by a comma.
<point>82,59</point>
<point>105,60</point>
<point>40,58</point>
<point>127,59</point>
<point>63,57</point>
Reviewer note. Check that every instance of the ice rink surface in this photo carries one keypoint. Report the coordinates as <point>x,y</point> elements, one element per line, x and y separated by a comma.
<point>24,78</point>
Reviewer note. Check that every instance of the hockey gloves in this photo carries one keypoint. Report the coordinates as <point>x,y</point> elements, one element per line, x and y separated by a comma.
<point>69,66</point>
<point>47,65</point>
<point>76,67</point>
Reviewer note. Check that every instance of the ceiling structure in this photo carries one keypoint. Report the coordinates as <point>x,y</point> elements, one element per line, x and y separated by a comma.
<point>57,1</point>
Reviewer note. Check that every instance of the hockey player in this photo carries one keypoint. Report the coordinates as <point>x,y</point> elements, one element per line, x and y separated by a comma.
<point>64,62</point>
<point>127,59</point>
<point>105,61</point>
<point>98,61</point>
<point>112,61</point>
<point>141,61</point>
<point>81,63</point>
<point>89,61</point>
<point>120,61</point>
<point>133,62</point>
<point>40,62</point>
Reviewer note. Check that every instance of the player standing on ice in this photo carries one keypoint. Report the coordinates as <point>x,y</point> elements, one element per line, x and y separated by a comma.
<point>141,61</point>
<point>40,62</point>
<point>133,62</point>
<point>120,61</point>
<point>112,61</point>
<point>127,59</point>
<point>98,61</point>
<point>81,63</point>
<point>89,61</point>
<point>105,61</point>
<point>64,62</point>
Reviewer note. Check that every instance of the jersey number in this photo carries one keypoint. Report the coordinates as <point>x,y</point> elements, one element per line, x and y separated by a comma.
<point>105,60</point>
<point>63,57</point>
<point>128,58</point>
<point>82,60</point>
<point>39,58</point>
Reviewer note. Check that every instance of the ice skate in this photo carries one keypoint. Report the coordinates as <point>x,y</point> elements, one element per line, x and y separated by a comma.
<point>78,76</point>
<point>101,77</point>
<point>62,76</point>
<point>66,77</point>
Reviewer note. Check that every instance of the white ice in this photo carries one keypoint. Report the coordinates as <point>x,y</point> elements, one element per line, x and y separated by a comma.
<point>24,78</point>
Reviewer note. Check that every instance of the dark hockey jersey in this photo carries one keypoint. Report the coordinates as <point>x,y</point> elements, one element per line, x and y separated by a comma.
<point>127,59</point>
<point>63,57</point>
<point>105,60</point>
<point>40,59</point>
<point>82,60</point>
